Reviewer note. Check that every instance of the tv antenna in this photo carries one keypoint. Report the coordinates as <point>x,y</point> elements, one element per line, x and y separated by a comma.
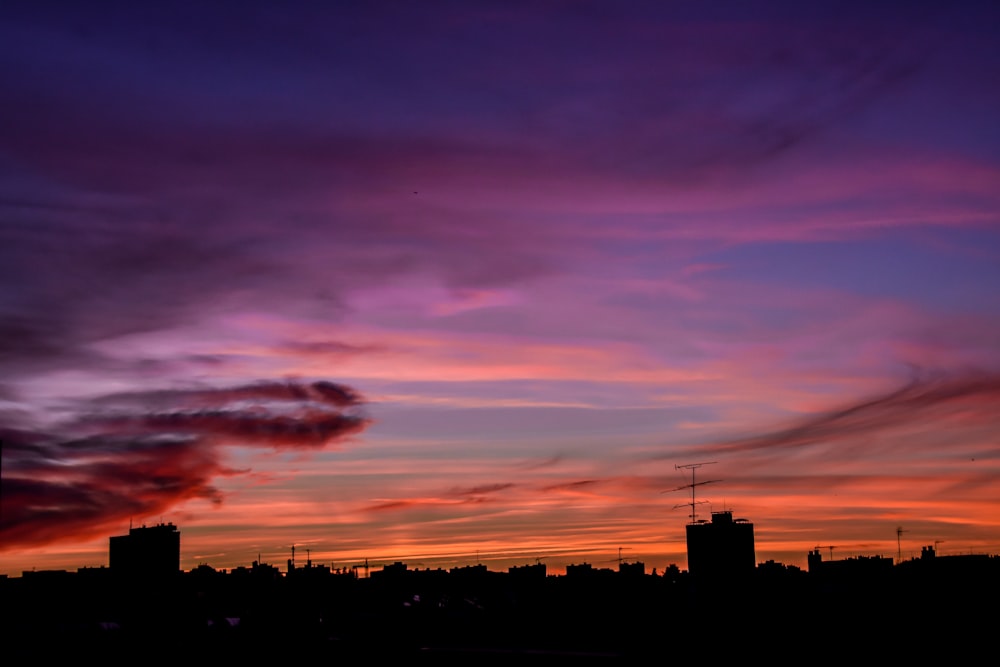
<point>899,548</point>
<point>693,467</point>
<point>831,547</point>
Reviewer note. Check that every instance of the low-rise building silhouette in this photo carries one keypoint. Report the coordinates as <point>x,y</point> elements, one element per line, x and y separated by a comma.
<point>535,572</point>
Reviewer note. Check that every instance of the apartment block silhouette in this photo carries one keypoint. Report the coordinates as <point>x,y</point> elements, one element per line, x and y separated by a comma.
<point>147,552</point>
<point>722,549</point>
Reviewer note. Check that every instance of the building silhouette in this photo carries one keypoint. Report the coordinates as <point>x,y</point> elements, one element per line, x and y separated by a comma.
<point>721,550</point>
<point>146,552</point>
<point>536,572</point>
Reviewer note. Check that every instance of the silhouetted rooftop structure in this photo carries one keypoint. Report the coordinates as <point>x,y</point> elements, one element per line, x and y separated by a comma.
<point>535,572</point>
<point>146,552</point>
<point>636,569</point>
<point>722,549</point>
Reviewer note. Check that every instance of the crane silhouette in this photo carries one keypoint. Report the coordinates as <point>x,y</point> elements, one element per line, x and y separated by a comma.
<point>361,565</point>
<point>831,547</point>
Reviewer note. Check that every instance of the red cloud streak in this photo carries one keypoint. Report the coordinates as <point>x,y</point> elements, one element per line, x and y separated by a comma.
<point>59,488</point>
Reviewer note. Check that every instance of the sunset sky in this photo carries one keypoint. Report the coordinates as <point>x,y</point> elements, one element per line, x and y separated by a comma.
<point>451,282</point>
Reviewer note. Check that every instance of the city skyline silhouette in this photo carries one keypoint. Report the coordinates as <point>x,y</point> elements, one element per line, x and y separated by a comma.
<point>723,542</point>
<point>442,616</point>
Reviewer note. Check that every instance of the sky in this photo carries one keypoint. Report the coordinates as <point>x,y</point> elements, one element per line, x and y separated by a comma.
<point>498,282</point>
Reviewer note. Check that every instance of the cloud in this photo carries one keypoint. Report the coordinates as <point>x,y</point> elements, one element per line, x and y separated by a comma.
<point>572,486</point>
<point>394,505</point>
<point>327,348</point>
<point>536,464</point>
<point>965,396</point>
<point>481,489</point>
<point>452,497</point>
<point>297,206</point>
<point>290,394</point>
<point>130,462</point>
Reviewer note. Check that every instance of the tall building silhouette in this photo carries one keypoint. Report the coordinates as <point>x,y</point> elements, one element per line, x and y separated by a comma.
<point>148,552</point>
<point>722,549</point>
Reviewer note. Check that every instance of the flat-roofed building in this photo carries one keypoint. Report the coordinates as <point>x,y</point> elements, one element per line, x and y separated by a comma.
<point>722,549</point>
<point>148,552</point>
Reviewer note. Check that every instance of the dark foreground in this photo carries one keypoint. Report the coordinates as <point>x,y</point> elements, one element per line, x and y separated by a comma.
<point>793,618</point>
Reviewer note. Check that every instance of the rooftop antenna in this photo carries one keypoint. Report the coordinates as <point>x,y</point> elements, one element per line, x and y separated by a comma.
<point>899,548</point>
<point>692,467</point>
<point>620,559</point>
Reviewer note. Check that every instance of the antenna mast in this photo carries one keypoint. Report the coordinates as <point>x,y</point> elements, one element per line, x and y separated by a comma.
<point>899,547</point>
<point>692,467</point>
<point>620,558</point>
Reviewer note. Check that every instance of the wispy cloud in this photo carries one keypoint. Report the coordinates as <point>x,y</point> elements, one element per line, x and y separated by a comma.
<point>966,395</point>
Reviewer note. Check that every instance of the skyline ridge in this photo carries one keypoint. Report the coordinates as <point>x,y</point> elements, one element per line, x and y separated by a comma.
<point>465,560</point>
